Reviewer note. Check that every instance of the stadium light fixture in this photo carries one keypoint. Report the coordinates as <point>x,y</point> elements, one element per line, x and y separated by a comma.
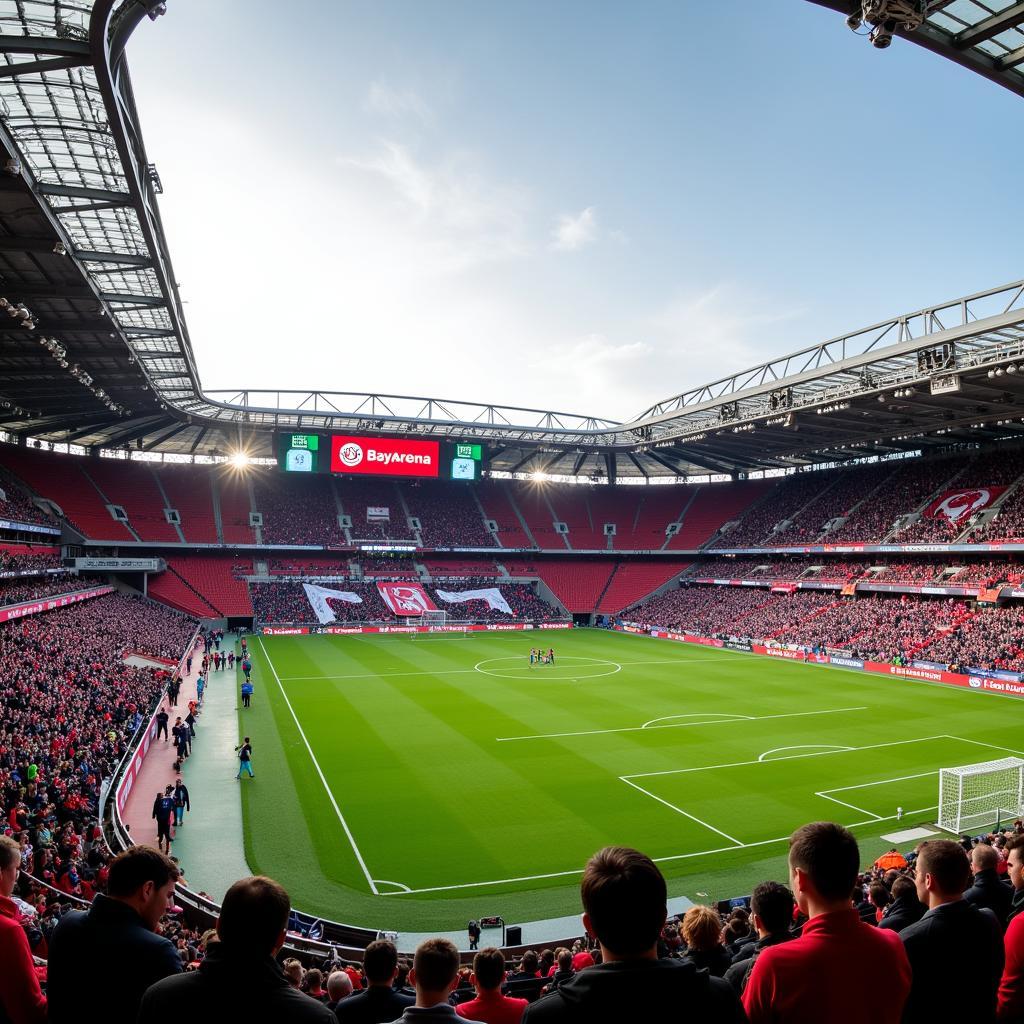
<point>239,460</point>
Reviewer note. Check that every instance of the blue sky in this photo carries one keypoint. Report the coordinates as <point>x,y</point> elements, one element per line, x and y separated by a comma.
<point>584,206</point>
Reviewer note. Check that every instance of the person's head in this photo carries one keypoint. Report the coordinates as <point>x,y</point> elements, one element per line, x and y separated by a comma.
<point>823,867</point>
<point>246,739</point>
<point>313,981</point>
<point>1015,861</point>
<point>380,962</point>
<point>144,879</point>
<point>489,969</point>
<point>903,886</point>
<point>547,960</point>
<point>702,929</point>
<point>177,782</point>
<point>435,971</point>
<point>624,901</point>
<point>529,964</point>
<point>772,907</point>
<point>10,865</point>
<point>339,985</point>
<point>984,858</point>
<point>254,916</point>
<point>168,790</point>
<point>879,895</point>
<point>293,972</point>
<point>943,871</point>
<point>564,959</point>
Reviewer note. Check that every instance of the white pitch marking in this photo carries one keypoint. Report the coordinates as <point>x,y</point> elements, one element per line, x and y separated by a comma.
<point>397,885</point>
<point>685,814</point>
<point>880,782</point>
<point>790,757</point>
<point>803,746</point>
<point>678,725</point>
<point>694,714</point>
<point>853,807</point>
<point>658,860</point>
<point>316,765</point>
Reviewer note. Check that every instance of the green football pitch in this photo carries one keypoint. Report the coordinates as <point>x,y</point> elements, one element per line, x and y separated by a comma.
<point>416,783</point>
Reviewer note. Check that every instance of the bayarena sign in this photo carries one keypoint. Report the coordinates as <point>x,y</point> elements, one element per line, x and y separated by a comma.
<point>382,456</point>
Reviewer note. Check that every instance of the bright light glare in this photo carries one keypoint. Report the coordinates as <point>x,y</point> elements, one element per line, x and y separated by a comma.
<point>239,460</point>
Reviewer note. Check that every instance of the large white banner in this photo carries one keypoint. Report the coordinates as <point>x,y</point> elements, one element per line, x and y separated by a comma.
<point>492,595</point>
<point>319,596</point>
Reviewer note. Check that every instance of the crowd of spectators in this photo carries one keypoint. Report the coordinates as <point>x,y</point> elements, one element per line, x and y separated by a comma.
<point>755,526</point>
<point>68,712</point>
<point>933,933</point>
<point>15,503</point>
<point>19,589</point>
<point>993,638</point>
<point>449,515</point>
<point>298,509</point>
<point>22,558</point>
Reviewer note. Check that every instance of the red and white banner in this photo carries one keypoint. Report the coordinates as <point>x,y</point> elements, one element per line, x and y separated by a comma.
<point>384,456</point>
<point>285,630</point>
<point>320,598</point>
<point>406,598</point>
<point>959,506</point>
<point>492,595</point>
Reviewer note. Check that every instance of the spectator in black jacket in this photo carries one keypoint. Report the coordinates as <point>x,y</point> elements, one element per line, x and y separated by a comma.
<point>771,906</point>
<point>905,908</point>
<point>1015,872</point>
<point>702,933</point>
<point>955,950</point>
<point>989,890</point>
<point>239,980</point>
<point>378,1002</point>
<point>118,929</point>
<point>624,903</point>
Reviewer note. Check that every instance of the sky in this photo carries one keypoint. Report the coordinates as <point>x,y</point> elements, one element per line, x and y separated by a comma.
<point>578,205</point>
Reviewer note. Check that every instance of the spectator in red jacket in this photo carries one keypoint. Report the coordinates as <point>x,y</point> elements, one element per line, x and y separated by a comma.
<point>490,1005</point>
<point>21,1001</point>
<point>840,970</point>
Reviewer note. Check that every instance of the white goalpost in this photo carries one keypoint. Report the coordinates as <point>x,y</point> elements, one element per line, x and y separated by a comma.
<point>436,621</point>
<point>976,796</point>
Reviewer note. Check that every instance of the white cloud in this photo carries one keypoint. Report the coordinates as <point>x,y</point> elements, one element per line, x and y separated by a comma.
<point>573,232</point>
<point>382,98</point>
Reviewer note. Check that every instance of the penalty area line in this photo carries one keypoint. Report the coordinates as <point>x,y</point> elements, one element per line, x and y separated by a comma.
<point>319,771</point>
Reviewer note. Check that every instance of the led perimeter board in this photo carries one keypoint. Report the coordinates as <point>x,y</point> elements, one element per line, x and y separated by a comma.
<point>360,455</point>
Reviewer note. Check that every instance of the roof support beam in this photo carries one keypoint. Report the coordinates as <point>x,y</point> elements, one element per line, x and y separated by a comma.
<point>166,436</point>
<point>129,259</point>
<point>1013,59</point>
<point>37,67</point>
<point>991,26</point>
<point>99,195</point>
<point>199,440</point>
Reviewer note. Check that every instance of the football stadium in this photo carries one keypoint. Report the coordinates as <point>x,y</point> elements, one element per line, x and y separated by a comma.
<point>347,704</point>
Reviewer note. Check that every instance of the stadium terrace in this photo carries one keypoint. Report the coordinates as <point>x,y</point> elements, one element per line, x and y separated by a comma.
<point>339,706</point>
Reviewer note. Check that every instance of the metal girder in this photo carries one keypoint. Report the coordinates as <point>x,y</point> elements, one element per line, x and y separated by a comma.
<point>102,195</point>
<point>991,26</point>
<point>1013,59</point>
<point>38,67</point>
<point>166,436</point>
<point>138,428</point>
<point>129,259</point>
<point>198,440</point>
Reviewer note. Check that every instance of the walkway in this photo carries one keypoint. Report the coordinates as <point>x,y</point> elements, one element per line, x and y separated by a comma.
<point>209,845</point>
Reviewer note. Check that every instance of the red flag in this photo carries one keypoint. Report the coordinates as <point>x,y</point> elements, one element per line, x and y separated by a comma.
<point>959,506</point>
<point>406,598</point>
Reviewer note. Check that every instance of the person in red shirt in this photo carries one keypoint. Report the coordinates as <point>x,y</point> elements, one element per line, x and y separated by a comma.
<point>490,1005</point>
<point>21,1000</point>
<point>821,976</point>
<point>1011,988</point>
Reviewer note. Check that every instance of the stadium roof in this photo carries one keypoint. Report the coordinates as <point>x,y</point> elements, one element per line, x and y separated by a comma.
<point>95,350</point>
<point>986,36</point>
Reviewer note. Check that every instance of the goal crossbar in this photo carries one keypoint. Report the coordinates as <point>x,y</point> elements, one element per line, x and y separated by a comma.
<point>972,796</point>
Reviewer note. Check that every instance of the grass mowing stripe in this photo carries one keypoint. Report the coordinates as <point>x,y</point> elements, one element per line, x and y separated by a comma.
<point>319,771</point>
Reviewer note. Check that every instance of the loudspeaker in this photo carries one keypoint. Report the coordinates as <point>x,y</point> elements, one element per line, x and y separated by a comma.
<point>514,935</point>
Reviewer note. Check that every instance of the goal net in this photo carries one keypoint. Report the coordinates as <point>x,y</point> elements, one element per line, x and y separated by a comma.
<point>979,795</point>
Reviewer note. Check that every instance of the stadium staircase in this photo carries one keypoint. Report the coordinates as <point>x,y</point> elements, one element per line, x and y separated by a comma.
<point>899,526</point>
<point>864,502</point>
<point>166,503</point>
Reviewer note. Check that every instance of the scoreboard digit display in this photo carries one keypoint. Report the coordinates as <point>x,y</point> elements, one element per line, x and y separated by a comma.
<point>299,453</point>
<point>360,455</point>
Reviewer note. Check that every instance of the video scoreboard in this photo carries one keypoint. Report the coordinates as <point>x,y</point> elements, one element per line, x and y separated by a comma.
<point>378,456</point>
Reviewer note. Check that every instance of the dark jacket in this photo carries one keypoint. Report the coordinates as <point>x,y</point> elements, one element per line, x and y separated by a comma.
<point>740,970</point>
<point>990,891</point>
<point>88,944</point>
<point>715,961</point>
<point>181,797</point>
<point>374,1005</point>
<point>230,988</point>
<point>1016,904</point>
<point>901,913</point>
<point>638,990</point>
<point>960,942</point>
